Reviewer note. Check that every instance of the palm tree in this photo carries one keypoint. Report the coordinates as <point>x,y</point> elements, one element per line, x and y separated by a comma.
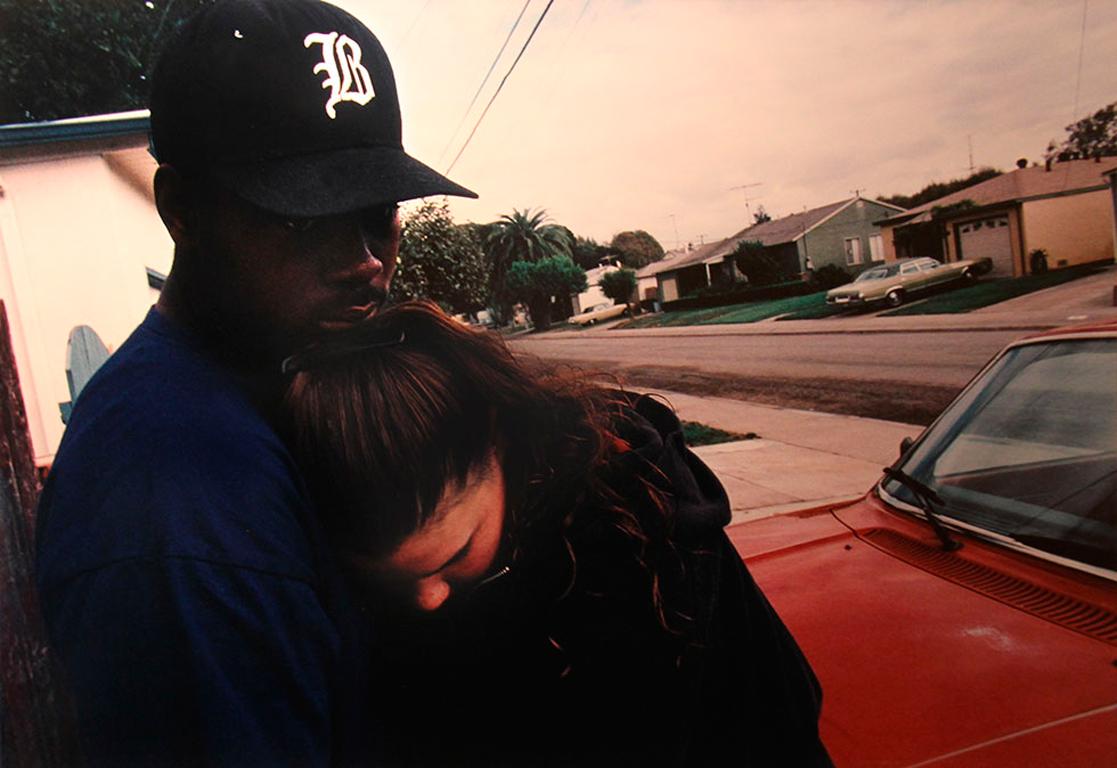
<point>522,236</point>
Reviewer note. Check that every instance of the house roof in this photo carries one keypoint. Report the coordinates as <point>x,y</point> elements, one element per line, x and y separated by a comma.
<point>785,230</point>
<point>1069,177</point>
<point>676,260</point>
<point>74,135</point>
<point>775,232</point>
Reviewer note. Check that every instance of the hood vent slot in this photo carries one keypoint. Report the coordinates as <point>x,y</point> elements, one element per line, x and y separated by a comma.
<point>1092,620</point>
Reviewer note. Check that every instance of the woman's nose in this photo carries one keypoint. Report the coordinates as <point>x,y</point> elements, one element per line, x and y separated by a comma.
<point>431,593</point>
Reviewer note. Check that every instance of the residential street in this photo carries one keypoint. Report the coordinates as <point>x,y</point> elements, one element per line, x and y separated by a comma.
<point>903,369</point>
<point>947,358</point>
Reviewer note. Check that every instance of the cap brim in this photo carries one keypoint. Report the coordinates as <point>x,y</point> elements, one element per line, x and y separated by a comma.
<point>340,181</point>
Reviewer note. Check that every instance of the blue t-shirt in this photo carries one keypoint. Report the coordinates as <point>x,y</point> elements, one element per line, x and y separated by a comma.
<point>184,578</point>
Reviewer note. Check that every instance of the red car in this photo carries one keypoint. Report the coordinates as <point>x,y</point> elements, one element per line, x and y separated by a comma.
<point>964,612</point>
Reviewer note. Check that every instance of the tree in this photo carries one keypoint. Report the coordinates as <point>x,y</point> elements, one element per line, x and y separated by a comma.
<point>756,263</point>
<point>68,58</point>
<point>619,285</point>
<point>1089,137</point>
<point>761,216</point>
<point>441,261</point>
<point>538,283</point>
<point>588,253</point>
<point>521,236</point>
<point>637,248</point>
<point>937,189</point>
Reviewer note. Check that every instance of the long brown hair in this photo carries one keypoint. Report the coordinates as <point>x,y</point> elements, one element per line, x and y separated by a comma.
<point>389,414</point>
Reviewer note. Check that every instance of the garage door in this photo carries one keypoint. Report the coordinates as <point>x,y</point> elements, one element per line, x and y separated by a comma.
<point>988,239</point>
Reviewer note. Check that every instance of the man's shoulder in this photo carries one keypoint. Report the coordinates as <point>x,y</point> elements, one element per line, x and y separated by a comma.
<point>165,456</point>
<point>158,375</point>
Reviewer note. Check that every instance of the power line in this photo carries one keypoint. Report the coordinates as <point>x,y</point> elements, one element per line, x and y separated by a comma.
<point>415,21</point>
<point>485,80</point>
<point>1081,48</point>
<point>501,86</point>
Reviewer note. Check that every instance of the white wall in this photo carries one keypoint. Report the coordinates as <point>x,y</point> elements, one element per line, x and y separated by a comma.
<point>75,239</point>
<point>593,294</point>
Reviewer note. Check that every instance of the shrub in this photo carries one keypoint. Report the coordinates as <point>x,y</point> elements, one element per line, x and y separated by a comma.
<point>758,263</point>
<point>619,285</point>
<point>1038,261</point>
<point>830,276</point>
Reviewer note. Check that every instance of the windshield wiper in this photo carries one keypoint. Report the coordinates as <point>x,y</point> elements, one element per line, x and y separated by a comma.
<point>924,497</point>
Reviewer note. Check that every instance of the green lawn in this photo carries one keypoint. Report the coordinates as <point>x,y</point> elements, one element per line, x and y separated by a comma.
<point>990,291</point>
<point>696,433</point>
<point>749,312</point>
<point>951,300</point>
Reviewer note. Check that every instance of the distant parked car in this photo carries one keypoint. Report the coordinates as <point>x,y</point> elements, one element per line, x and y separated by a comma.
<point>598,313</point>
<point>893,282</point>
<point>964,611</point>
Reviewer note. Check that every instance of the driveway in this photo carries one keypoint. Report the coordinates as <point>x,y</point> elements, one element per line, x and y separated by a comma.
<point>1089,297</point>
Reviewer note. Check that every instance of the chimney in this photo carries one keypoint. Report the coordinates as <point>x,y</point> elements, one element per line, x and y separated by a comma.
<point>1047,164</point>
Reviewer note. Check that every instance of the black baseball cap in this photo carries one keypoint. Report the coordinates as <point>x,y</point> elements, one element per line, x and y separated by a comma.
<point>291,104</point>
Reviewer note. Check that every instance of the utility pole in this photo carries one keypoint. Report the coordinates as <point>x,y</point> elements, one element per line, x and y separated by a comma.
<point>744,189</point>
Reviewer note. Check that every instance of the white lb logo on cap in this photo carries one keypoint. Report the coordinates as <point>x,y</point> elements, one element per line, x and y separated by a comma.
<point>346,77</point>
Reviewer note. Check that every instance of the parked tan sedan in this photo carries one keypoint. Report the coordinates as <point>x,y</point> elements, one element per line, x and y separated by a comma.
<point>598,313</point>
<point>893,282</point>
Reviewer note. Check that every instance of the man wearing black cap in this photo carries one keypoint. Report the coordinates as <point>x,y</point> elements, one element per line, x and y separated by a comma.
<point>182,572</point>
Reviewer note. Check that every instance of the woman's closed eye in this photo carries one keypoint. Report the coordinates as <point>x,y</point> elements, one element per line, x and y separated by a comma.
<point>457,546</point>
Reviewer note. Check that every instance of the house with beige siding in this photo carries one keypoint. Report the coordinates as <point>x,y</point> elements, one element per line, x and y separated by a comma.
<point>1063,210</point>
<point>81,244</point>
<point>1111,177</point>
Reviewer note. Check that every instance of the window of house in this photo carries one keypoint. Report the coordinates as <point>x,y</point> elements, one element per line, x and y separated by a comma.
<point>853,250</point>
<point>876,248</point>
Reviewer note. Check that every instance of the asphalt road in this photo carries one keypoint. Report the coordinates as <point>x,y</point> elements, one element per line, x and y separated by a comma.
<point>946,359</point>
<point>907,377</point>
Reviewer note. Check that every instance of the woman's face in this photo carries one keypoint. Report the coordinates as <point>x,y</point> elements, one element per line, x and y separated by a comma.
<point>455,548</point>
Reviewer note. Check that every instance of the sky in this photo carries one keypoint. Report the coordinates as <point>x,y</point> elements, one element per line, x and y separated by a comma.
<point>647,114</point>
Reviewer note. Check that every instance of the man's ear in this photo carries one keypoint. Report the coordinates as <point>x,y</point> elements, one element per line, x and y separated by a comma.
<point>176,205</point>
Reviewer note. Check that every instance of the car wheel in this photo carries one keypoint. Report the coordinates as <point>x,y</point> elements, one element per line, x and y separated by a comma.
<point>895,297</point>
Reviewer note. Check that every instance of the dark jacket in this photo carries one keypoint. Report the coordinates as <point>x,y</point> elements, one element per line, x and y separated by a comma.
<point>572,659</point>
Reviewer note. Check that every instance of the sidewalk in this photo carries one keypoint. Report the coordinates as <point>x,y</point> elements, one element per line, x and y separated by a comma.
<point>801,457</point>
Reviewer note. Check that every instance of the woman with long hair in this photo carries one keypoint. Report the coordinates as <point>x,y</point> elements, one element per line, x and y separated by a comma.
<point>544,560</point>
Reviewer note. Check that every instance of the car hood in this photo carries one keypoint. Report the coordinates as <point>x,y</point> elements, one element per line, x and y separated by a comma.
<point>923,656</point>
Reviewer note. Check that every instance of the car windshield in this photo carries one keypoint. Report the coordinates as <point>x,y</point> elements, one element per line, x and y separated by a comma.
<point>1030,451</point>
<point>876,273</point>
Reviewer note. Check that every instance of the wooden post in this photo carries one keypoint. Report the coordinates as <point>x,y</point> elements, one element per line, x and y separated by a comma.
<point>36,725</point>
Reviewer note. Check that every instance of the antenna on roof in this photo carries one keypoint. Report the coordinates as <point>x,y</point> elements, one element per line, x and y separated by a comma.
<point>744,188</point>
<point>969,142</point>
<point>676,226</point>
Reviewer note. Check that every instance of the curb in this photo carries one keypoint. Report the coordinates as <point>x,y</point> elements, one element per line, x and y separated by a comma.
<point>654,334</point>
